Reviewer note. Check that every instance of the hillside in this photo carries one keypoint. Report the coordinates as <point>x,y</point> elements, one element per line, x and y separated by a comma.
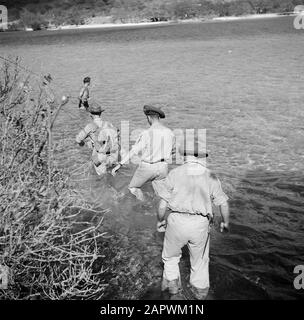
<point>39,13</point>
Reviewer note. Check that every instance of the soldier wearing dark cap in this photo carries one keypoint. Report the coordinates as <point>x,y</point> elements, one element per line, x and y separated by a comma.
<point>156,146</point>
<point>101,137</point>
<point>188,193</point>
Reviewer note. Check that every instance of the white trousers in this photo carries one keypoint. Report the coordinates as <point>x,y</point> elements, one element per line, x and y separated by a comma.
<point>190,230</point>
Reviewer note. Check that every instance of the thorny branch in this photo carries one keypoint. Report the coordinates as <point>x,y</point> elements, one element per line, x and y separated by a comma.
<point>50,252</point>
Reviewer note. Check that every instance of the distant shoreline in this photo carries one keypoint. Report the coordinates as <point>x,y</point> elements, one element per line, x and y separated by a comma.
<point>169,22</point>
<point>109,25</point>
<point>253,16</point>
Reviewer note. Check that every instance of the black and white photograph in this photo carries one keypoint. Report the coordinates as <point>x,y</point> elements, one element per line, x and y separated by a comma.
<point>151,150</point>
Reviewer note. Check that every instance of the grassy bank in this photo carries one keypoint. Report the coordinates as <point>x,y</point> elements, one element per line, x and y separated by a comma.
<point>53,244</point>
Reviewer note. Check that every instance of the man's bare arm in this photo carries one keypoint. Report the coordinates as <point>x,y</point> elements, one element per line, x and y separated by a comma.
<point>127,157</point>
<point>135,150</point>
<point>162,209</point>
<point>162,222</point>
<point>224,210</point>
<point>84,134</point>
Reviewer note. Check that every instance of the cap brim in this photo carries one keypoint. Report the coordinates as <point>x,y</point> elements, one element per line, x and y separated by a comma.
<point>151,110</point>
<point>96,111</point>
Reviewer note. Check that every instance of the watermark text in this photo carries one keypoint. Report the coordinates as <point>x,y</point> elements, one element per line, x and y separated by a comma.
<point>3,18</point>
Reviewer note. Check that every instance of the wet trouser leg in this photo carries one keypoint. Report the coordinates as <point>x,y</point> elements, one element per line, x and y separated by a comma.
<point>147,172</point>
<point>192,230</point>
<point>199,276</point>
<point>172,251</point>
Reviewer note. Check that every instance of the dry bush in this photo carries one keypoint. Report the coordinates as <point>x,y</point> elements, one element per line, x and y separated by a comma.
<point>48,251</point>
<point>53,243</point>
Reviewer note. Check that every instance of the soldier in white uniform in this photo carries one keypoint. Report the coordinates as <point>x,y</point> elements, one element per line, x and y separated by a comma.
<point>156,145</point>
<point>101,136</point>
<point>188,193</point>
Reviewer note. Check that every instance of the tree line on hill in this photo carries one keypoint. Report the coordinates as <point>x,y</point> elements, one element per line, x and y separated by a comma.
<point>41,13</point>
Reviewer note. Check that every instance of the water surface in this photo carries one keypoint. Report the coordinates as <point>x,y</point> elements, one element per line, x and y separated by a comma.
<point>240,80</point>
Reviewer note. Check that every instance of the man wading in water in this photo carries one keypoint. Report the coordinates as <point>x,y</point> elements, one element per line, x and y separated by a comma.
<point>84,94</point>
<point>188,192</point>
<point>156,146</point>
<point>101,136</point>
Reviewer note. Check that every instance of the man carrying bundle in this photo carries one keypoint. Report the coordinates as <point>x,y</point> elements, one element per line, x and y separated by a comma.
<point>101,136</point>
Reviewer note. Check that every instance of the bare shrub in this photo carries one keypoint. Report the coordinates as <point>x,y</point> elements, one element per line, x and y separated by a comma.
<point>49,252</point>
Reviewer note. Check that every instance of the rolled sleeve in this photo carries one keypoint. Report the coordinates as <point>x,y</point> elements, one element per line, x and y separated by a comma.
<point>217,194</point>
<point>84,133</point>
<point>81,136</point>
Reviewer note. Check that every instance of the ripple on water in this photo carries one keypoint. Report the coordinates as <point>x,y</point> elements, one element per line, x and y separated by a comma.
<point>254,123</point>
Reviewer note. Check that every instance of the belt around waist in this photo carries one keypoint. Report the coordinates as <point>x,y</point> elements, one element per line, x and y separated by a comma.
<point>161,160</point>
<point>194,214</point>
<point>107,153</point>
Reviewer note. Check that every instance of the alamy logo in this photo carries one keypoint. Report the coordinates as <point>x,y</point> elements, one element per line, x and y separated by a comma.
<point>3,17</point>
<point>298,22</point>
<point>299,279</point>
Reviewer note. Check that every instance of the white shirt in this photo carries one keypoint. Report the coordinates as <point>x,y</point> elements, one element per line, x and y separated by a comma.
<point>155,144</point>
<point>191,188</point>
<point>108,131</point>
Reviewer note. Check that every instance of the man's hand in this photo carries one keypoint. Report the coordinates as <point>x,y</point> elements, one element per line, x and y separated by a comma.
<point>224,226</point>
<point>115,169</point>
<point>161,226</point>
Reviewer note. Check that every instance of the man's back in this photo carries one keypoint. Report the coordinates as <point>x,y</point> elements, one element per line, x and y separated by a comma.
<point>192,188</point>
<point>99,131</point>
<point>84,93</point>
<point>157,143</point>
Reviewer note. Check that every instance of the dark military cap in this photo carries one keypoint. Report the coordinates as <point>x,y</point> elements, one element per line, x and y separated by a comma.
<point>95,109</point>
<point>150,110</point>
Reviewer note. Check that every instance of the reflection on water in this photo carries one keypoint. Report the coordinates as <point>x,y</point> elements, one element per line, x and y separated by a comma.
<point>242,81</point>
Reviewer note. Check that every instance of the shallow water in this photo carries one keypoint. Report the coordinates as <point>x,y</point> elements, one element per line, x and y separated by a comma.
<point>243,82</point>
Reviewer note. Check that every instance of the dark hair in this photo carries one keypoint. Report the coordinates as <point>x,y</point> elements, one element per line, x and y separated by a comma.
<point>153,114</point>
<point>86,80</point>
